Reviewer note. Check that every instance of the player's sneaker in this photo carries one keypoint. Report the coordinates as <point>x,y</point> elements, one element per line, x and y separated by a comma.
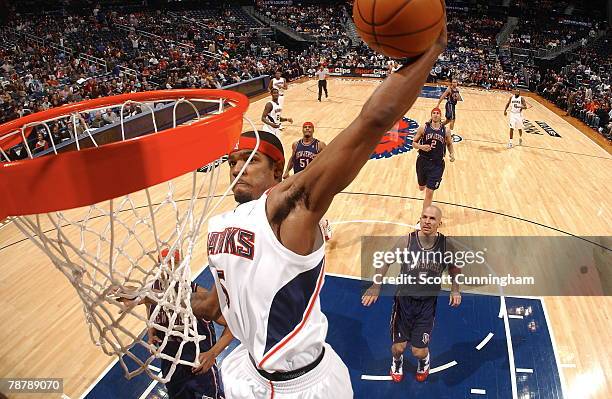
<point>520,141</point>
<point>397,369</point>
<point>510,144</point>
<point>327,230</point>
<point>422,371</point>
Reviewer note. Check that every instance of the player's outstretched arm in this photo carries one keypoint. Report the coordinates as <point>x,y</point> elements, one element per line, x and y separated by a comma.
<point>443,96</point>
<point>336,167</point>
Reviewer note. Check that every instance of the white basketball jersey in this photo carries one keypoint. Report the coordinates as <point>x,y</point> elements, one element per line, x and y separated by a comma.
<point>274,116</point>
<point>268,294</point>
<point>516,104</point>
<point>279,84</point>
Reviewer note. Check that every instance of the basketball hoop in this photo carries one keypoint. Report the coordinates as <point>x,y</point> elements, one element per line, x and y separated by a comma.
<point>103,213</point>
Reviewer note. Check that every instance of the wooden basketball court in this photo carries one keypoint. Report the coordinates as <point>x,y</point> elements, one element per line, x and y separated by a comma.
<point>550,186</point>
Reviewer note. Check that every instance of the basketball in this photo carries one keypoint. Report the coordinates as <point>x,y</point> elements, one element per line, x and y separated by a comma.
<point>399,28</point>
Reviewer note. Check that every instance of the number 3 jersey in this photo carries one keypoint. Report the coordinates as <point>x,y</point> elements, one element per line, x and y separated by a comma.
<point>268,294</point>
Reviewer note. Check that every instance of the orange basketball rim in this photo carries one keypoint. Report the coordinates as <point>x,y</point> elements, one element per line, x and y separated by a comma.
<point>78,178</point>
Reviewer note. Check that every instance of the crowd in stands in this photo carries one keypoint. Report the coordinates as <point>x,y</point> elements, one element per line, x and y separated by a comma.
<point>583,86</point>
<point>325,23</point>
<point>35,76</point>
<point>106,52</point>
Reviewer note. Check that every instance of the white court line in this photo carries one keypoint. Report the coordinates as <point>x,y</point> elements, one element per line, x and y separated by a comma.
<point>515,316</point>
<point>376,377</point>
<point>149,388</point>
<point>484,341</point>
<point>388,378</point>
<point>555,351</point>
<point>510,350</point>
<point>443,367</point>
<point>478,391</point>
<point>106,370</point>
<point>528,371</point>
<point>156,369</point>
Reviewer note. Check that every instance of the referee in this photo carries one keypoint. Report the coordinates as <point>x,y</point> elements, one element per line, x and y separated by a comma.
<point>322,74</point>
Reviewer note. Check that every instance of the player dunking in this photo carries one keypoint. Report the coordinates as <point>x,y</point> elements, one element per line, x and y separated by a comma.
<point>271,116</point>
<point>431,139</point>
<point>517,104</point>
<point>452,96</point>
<point>414,305</point>
<point>279,83</point>
<point>303,152</point>
<point>267,255</point>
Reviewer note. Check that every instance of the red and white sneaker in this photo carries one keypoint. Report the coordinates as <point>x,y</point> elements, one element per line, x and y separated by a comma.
<point>422,372</point>
<point>327,230</point>
<point>397,369</point>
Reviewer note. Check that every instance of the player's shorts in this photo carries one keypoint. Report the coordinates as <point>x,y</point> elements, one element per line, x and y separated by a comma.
<point>186,385</point>
<point>516,121</point>
<point>270,129</point>
<point>412,320</point>
<point>329,379</point>
<point>429,173</point>
<point>450,111</point>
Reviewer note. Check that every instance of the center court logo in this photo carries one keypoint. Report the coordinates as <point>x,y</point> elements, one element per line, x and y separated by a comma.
<point>398,140</point>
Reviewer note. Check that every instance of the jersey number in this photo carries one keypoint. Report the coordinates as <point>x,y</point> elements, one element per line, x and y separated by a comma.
<point>221,275</point>
<point>433,144</point>
<point>304,162</point>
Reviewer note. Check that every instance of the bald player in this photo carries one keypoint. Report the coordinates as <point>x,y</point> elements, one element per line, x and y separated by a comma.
<point>414,305</point>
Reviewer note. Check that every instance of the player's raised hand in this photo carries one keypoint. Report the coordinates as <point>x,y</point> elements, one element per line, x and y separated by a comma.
<point>371,295</point>
<point>455,299</point>
<point>207,360</point>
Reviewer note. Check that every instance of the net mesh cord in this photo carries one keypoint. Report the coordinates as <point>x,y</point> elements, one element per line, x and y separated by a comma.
<point>110,253</point>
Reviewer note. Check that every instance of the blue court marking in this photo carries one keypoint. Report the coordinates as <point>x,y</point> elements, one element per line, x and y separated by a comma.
<point>361,337</point>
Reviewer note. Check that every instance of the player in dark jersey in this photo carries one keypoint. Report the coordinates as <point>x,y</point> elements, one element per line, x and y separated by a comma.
<point>431,139</point>
<point>452,96</point>
<point>187,382</point>
<point>303,152</point>
<point>414,305</point>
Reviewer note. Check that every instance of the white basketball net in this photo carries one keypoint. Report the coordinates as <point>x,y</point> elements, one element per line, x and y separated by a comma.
<point>116,246</point>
